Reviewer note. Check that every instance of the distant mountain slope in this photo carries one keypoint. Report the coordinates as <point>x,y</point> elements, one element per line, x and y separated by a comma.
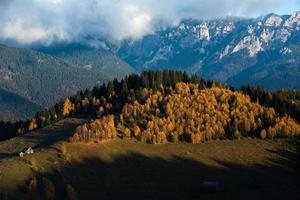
<point>94,59</point>
<point>233,50</point>
<point>275,70</point>
<point>14,107</point>
<point>40,78</point>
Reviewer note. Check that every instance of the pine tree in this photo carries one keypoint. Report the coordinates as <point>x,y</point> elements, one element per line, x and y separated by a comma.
<point>110,88</point>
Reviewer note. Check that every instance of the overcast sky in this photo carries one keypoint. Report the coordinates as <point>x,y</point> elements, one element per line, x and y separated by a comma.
<point>45,21</point>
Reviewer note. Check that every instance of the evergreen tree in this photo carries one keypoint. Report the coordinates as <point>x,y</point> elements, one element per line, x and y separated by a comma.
<point>110,88</point>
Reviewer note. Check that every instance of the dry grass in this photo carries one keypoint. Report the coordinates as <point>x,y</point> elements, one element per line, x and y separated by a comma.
<point>64,152</point>
<point>125,168</point>
<point>134,169</point>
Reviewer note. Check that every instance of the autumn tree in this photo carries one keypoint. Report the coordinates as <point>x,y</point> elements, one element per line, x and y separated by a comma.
<point>68,107</point>
<point>32,124</point>
<point>189,114</point>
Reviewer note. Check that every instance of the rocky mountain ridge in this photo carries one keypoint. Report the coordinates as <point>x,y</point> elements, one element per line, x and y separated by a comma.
<point>219,49</point>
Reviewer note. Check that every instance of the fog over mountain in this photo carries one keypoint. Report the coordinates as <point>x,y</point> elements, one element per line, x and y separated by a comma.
<point>45,21</point>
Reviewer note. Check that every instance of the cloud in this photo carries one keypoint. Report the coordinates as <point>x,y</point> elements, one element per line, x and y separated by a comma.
<point>45,21</point>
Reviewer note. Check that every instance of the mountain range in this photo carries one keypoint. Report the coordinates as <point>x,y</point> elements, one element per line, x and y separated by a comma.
<point>234,50</point>
<point>259,51</point>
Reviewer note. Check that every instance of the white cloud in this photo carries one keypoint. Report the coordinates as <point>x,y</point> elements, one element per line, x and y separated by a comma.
<point>23,31</point>
<point>28,21</point>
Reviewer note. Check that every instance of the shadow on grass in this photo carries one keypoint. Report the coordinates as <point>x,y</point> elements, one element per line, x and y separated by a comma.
<point>135,177</point>
<point>51,135</point>
<point>5,155</point>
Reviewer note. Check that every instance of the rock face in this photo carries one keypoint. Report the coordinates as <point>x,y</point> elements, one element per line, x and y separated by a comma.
<point>224,49</point>
<point>204,32</point>
<point>252,43</point>
<point>274,20</point>
<point>293,22</point>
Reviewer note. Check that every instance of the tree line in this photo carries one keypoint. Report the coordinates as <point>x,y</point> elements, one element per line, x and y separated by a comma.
<point>283,101</point>
<point>109,99</point>
<point>187,113</point>
<point>101,99</point>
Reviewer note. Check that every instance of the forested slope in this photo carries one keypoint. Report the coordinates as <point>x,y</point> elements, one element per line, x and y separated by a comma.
<point>166,106</point>
<point>14,107</point>
<point>40,78</point>
<point>91,58</point>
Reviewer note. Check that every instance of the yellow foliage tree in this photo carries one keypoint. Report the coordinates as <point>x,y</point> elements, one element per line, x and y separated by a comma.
<point>136,131</point>
<point>95,102</point>
<point>96,131</point>
<point>263,134</point>
<point>32,124</point>
<point>188,113</point>
<point>127,132</point>
<point>68,107</point>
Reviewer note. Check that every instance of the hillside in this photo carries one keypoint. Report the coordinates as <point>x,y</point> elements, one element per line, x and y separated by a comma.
<point>247,167</point>
<point>187,114</point>
<point>272,70</point>
<point>40,78</point>
<point>14,107</point>
<point>92,58</point>
<point>159,131</point>
<point>228,114</point>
